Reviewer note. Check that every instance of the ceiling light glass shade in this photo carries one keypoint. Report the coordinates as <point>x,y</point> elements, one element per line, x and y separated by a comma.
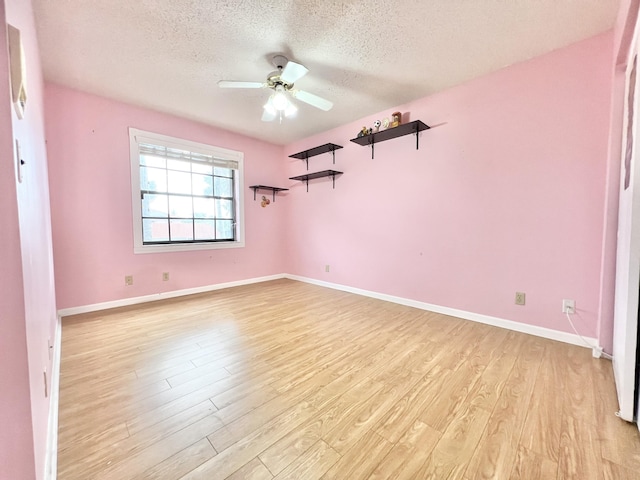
<point>280,100</point>
<point>280,105</point>
<point>269,106</point>
<point>291,110</point>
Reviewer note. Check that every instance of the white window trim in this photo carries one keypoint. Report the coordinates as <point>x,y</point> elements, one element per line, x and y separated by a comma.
<point>136,136</point>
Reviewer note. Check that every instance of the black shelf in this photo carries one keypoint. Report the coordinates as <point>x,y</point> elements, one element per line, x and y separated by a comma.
<point>312,152</point>
<point>310,176</point>
<point>401,130</point>
<point>273,190</point>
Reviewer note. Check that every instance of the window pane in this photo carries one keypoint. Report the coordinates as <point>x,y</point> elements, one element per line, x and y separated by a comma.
<point>202,185</point>
<point>179,165</point>
<point>152,161</point>
<point>223,187</point>
<point>153,179</point>
<point>205,229</point>
<point>155,206</point>
<point>186,197</point>
<point>223,172</point>
<point>180,207</point>
<point>205,168</point>
<point>179,182</point>
<point>224,209</point>
<point>224,230</point>
<point>181,230</point>
<point>203,207</point>
<point>154,230</point>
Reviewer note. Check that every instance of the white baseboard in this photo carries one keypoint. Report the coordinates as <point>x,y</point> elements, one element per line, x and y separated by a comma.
<point>51,459</point>
<point>125,302</point>
<point>475,317</point>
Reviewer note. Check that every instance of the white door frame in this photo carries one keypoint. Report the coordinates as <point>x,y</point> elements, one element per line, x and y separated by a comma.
<point>627,290</point>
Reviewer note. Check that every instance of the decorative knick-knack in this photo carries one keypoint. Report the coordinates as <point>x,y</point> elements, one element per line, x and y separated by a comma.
<point>396,119</point>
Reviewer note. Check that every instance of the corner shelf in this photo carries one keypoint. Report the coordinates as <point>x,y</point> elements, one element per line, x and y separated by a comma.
<point>414,127</point>
<point>273,190</point>
<point>310,176</point>
<point>312,152</point>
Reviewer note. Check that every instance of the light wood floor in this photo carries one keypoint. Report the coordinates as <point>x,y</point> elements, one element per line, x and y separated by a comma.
<point>289,380</point>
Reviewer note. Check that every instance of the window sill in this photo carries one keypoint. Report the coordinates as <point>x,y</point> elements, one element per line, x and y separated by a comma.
<point>185,247</point>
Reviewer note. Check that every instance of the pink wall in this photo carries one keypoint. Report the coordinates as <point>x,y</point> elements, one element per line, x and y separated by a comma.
<point>505,194</point>
<point>28,278</point>
<point>88,145</point>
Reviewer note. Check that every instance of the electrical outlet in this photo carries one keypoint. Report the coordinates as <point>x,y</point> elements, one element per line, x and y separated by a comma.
<point>568,306</point>
<point>128,280</point>
<point>165,277</point>
<point>326,268</point>
<point>520,298</point>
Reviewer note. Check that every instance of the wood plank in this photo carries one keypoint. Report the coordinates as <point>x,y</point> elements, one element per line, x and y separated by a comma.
<point>353,426</point>
<point>580,455</point>
<point>154,443</point>
<point>532,466</point>
<point>451,397</point>
<point>613,471</point>
<point>244,450</point>
<point>407,410</point>
<point>254,470</point>
<point>312,464</point>
<point>452,453</point>
<point>541,433</point>
<point>619,440</point>
<point>181,463</point>
<point>495,456</point>
<point>409,454</point>
<point>279,455</point>
<point>359,462</point>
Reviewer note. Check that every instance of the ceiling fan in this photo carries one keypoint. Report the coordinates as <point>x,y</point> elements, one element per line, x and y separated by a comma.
<point>281,82</point>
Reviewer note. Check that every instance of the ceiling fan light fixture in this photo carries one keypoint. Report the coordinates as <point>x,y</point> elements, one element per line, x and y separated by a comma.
<point>281,82</point>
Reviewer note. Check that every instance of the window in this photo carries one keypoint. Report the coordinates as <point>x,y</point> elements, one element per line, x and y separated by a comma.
<point>186,195</point>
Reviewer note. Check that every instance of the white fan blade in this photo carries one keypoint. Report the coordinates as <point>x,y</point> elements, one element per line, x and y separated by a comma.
<point>232,84</point>
<point>312,100</point>
<point>268,116</point>
<point>293,72</point>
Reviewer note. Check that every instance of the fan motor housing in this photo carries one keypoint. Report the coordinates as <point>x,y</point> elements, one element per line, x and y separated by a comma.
<point>273,80</point>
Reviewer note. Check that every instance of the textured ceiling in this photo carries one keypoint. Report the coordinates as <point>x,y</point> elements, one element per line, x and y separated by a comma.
<point>365,56</point>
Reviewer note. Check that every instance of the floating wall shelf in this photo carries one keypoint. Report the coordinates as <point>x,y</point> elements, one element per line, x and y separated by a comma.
<point>273,190</point>
<point>401,130</point>
<point>312,152</point>
<point>310,176</point>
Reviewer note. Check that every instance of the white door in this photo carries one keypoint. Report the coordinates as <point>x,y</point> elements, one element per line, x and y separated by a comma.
<point>625,332</point>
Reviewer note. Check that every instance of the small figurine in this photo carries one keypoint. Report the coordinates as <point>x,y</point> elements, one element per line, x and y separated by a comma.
<point>376,126</point>
<point>397,119</point>
<point>265,201</point>
<point>363,132</point>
